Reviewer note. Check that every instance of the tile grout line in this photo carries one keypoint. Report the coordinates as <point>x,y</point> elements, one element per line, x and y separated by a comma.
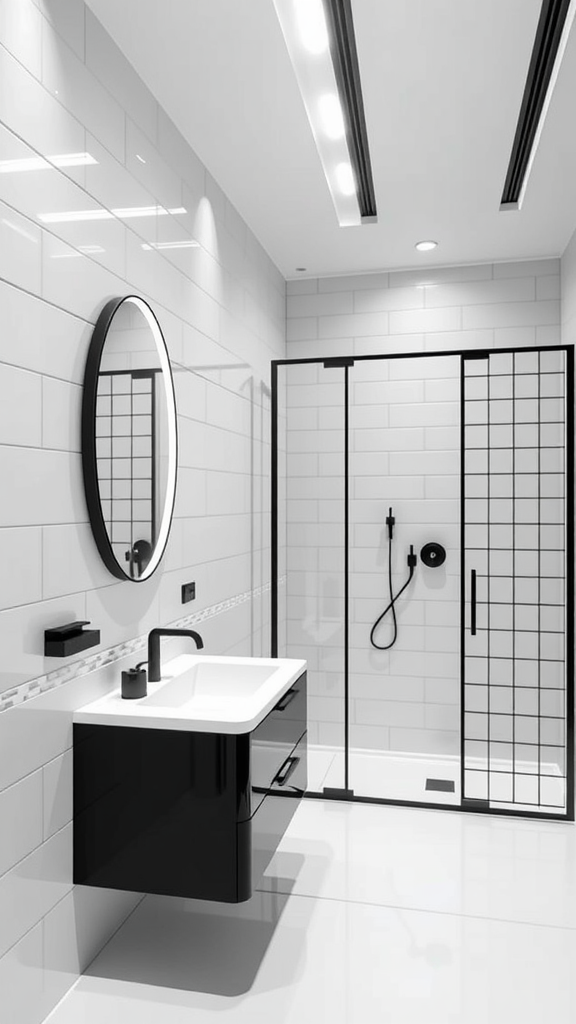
<point>418,910</point>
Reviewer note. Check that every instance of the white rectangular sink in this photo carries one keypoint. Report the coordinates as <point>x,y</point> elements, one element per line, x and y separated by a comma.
<point>201,693</point>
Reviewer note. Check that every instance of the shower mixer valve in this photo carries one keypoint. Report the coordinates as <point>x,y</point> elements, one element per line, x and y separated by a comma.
<point>432,555</point>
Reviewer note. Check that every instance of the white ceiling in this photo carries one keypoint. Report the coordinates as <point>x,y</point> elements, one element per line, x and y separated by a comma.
<point>442,83</point>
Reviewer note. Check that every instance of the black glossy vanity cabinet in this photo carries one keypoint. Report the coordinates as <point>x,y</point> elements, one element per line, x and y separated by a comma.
<point>189,814</point>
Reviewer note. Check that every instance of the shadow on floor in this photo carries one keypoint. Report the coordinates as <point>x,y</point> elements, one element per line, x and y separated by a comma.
<point>196,946</point>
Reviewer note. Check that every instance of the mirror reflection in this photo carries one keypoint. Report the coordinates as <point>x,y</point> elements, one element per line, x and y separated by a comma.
<point>135,438</point>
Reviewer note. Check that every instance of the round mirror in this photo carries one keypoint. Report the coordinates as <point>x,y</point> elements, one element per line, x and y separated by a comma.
<point>129,438</point>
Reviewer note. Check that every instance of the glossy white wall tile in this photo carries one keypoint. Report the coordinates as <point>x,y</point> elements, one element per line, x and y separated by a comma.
<point>31,112</point>
<point>26,996</point>
<point>57,783</point>
<point>66,90</point>
<point>32,888</point>
<point>20,250</point>
<point>21,33</point>
<point>20,408</point>
<point>568,288</point>
<point>21,811</point>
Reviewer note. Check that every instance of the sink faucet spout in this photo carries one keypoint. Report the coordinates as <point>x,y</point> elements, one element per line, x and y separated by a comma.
<point>154,668</point>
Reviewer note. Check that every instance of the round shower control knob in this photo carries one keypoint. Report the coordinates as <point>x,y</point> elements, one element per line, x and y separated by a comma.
<point>433,555</point>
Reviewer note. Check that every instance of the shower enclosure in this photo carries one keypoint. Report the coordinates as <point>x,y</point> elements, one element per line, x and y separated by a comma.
<point>469,702</point>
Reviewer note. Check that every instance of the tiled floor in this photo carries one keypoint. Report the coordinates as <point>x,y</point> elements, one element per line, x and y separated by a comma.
<point>367,915</point>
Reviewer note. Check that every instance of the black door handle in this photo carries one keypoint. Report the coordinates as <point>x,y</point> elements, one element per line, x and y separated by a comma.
<point>473,602</point>
<point>285,771</point>
<point>285,700</point>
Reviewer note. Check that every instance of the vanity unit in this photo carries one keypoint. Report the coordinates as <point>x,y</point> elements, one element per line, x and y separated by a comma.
<point>188,791</point>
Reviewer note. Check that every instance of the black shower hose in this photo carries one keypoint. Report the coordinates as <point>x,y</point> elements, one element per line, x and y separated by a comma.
<point>393,599</point>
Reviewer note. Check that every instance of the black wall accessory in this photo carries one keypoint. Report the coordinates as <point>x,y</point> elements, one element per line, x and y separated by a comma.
<point>391,607</point>
<point>63,641</point>
<point>129,438</point>
<point>188,592</point>
<point>134,683</point>
<point>433,555</point>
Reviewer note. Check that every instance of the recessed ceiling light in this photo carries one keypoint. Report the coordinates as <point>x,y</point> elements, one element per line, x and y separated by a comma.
<point>300,269</point>
<point>425,246</point>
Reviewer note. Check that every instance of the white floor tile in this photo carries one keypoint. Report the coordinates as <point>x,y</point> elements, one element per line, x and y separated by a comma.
<point>367,915</point>
<point>293,960</point>
<point>442,861</point>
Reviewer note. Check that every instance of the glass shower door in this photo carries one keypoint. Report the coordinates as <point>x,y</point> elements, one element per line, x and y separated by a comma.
<point>310,548</point>
<point>517,634</point>
<point>404,699</point>
<point>470,701</point>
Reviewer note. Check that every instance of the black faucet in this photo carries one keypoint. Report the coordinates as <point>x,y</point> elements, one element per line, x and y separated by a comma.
<point>154,673</point>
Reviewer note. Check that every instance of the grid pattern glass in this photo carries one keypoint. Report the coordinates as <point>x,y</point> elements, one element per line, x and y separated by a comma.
<point>125,425</point>
<point>515,687</point>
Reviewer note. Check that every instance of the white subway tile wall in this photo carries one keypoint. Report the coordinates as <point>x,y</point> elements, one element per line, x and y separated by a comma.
<point>81,134</point>
<point>405,453</point>
<point>568,292</point>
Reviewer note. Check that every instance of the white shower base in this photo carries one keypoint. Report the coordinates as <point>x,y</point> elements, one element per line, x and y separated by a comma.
<point>388,775</point>
<point>384,775</point>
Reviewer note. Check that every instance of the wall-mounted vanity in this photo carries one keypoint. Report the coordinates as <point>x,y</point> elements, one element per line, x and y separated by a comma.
<point>188,791</point>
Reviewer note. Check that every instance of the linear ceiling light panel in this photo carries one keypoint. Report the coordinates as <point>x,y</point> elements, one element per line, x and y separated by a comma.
<point>319,35</point>
<point>556,17</point>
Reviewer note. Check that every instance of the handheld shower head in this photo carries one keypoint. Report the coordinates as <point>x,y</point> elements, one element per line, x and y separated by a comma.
<point>390,520</point>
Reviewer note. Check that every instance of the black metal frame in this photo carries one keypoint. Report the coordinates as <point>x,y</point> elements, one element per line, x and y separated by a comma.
<point>88,438</point>
<point>489,628</point>
<point>347,72</point>
<point>470,806</point>
<point>553,14</point>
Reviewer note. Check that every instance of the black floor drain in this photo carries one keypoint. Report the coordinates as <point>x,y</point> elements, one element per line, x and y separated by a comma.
<point>441,785</point>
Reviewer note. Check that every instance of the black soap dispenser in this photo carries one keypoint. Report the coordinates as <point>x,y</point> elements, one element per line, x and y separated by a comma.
<point>134,682</point>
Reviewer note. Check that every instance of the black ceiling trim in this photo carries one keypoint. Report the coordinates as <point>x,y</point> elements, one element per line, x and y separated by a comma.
<point>548,36</point>
<point>345,60</point>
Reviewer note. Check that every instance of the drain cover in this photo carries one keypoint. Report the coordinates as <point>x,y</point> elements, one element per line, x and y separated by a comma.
<point>441,785</point>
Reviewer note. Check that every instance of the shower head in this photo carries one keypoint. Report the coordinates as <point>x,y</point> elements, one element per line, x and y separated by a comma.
<point>390,520</point>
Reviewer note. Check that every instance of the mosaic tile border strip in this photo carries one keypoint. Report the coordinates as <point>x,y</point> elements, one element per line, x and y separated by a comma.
<point>42,684</point>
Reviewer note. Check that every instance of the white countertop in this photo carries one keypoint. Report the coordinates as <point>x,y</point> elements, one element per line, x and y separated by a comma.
<point>201,693</point>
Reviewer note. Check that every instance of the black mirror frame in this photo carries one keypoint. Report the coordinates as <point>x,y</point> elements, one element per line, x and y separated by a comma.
<point>88,440</point>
